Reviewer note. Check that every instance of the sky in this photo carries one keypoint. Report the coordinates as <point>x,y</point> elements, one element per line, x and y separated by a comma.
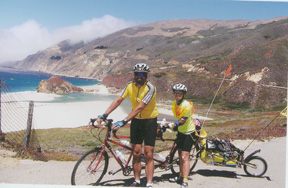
<point>27,26</point>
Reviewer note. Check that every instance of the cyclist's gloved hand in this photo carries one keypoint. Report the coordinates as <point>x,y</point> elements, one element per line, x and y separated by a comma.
<point>176,125</point>
<point>103,117</point>
<point>120,123</point>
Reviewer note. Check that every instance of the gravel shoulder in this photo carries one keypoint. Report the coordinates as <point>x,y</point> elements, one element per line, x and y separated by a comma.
<point>21,173</point>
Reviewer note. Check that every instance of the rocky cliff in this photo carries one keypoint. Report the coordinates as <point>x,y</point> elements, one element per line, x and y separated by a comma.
<point>195,52</point>
<point>57,85</point>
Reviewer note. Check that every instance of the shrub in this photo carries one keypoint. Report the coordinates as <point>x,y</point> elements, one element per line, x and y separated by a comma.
<point>159,75</point>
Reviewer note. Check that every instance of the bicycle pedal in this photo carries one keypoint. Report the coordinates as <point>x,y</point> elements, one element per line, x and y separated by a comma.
<point>168,167</point>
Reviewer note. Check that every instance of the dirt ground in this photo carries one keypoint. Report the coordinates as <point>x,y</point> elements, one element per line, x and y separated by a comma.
<point>28,173</point>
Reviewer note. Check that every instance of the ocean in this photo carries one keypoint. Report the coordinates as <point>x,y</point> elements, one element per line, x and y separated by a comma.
<point>20,81</point>
<point>50,110</point>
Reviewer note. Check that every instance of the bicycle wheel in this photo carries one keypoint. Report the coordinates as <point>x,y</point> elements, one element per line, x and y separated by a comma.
<point>174,160</point>
<point>255,166</point>
<point>90,168</point>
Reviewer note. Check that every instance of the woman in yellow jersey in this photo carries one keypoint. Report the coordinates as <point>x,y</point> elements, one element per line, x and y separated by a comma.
<point>143,120</point>
<point>183,111</point>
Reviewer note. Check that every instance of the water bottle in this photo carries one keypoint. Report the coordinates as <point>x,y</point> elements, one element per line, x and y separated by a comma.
<point>120,156</point>
<point>158,157</point>
<point>125,143</point>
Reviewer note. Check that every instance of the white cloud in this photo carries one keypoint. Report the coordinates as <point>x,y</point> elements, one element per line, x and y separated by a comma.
<point>28,38</point>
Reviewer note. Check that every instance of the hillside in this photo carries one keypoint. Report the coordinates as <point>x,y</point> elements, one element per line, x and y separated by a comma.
<point>194,52</point>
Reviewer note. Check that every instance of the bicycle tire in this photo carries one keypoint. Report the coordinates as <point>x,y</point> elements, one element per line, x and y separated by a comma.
<point>260,166</point>
<point>174,160</point>
<point>82,173</point>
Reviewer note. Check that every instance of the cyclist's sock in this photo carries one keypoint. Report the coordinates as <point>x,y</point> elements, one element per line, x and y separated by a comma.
<point>180,174</point>
<point>137,181</point>
<point>185,179</point>
<point>149,185</point>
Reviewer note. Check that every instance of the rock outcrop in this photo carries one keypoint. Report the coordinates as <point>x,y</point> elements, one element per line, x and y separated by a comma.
<point>57,85</point>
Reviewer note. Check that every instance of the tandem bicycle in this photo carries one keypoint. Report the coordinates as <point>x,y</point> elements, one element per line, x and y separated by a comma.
<point>92,166</point>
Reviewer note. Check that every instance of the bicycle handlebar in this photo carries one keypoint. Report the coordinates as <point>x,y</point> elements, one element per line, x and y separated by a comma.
<point>108,123</point>
<point>160,131</point>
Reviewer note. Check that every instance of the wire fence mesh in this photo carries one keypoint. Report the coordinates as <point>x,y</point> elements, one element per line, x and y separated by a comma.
<point>14,117</point>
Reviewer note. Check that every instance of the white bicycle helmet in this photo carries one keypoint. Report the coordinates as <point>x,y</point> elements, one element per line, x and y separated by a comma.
<point>141,67</point>
<point>180,87</point>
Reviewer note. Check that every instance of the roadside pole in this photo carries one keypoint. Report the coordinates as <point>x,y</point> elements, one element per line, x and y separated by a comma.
<point>226,74</point>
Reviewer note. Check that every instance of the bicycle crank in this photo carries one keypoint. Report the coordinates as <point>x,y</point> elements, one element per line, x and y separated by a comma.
<point>113,173</point>
<point>127,171</point>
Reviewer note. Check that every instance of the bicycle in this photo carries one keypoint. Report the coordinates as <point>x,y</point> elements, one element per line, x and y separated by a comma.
<point>92,166</point>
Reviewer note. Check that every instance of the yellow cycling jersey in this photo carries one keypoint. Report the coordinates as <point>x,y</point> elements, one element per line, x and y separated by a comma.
<point>185,109</point>
<point>146,94</point>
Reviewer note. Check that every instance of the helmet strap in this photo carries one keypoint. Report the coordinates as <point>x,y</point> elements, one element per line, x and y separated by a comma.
<point>180,101</point>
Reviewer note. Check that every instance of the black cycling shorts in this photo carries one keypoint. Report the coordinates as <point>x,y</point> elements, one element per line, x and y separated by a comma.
<point>185,141</point>
<point>143,129</point>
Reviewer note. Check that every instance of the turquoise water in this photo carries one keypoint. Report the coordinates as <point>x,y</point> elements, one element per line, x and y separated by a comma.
<point>17,81</point>
<point>20,81</point>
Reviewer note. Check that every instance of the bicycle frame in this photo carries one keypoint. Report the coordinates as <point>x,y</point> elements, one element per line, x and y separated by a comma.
<point>106,143</point>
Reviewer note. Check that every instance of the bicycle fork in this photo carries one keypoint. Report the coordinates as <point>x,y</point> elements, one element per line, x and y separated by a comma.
<point>94,159</point>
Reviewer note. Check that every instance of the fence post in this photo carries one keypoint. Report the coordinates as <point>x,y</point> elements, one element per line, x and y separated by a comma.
<point>29,124</point>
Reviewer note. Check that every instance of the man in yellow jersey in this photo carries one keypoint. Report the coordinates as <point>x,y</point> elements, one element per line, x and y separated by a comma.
<point>143,120</point>
<point>183,111</point>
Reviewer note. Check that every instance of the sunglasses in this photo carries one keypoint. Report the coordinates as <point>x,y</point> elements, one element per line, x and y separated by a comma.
<point>178,92</point>
<point>141,74</point>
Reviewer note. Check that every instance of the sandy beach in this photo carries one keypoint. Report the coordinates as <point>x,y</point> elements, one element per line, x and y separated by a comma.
<point>70,114</point>
<point>67,114</point>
